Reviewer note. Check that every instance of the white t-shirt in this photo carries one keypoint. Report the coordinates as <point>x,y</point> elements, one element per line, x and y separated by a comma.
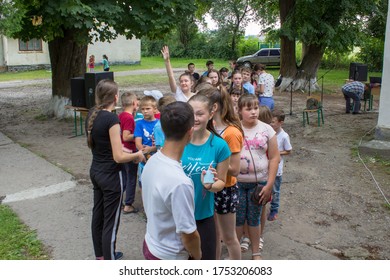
<point>179,95</point>
<point>268,81</point>
<point>256,139</point>
<point>168,198</point>
<point>283,145</point>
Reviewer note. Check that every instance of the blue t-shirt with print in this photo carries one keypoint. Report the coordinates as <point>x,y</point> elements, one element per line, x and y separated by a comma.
<point>249,87</point>
<point>197,158</point>
<point>144,129</point>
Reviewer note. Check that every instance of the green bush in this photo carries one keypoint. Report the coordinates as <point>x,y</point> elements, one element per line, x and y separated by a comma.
<point>371,53</point>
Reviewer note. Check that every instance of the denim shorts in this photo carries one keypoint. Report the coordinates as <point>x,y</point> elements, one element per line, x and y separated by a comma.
<point>247,210</point>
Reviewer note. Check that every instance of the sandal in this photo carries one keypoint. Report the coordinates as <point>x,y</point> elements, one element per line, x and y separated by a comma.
<point>261,244</point>
<point>256,256</point>
<point>245,244</point>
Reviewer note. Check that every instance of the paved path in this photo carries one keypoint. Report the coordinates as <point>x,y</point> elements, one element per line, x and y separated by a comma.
<point>21,83</point>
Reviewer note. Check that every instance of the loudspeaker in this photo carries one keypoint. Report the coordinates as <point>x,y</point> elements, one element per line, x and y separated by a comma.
<point>77,90</point>
<point>358,72</point>
<point>362,71</point>
<point>91,80</point>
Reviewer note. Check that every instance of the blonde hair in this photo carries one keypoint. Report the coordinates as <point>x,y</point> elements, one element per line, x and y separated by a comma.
<point>147,99</point>
<point>128,98</point>
<point>164,101</point>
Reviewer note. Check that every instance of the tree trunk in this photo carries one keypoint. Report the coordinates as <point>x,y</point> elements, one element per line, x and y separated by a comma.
<point>288,66</point>
<point>68,60</point>
<point>311,59</point>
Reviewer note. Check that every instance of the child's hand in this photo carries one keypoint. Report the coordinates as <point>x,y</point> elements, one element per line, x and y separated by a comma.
<point>207,184</point>
<point>165,52</point>
<point>140,157</point>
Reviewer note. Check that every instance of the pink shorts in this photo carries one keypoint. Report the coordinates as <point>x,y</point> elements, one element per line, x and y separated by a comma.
<point>147,254</point>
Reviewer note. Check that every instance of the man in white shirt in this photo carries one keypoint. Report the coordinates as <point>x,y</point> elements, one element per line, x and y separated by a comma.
<point>168,194</point>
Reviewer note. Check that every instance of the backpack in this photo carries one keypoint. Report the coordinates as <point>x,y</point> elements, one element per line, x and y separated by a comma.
<point>312,104</point>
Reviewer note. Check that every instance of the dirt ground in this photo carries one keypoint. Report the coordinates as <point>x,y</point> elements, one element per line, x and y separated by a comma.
<point>328,200</point>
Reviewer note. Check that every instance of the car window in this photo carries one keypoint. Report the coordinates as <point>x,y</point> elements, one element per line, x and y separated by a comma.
<point>274,53</point>
<point>263,53</point>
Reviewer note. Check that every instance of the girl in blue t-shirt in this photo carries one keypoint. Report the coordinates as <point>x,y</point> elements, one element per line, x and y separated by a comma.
<point>205,150</point>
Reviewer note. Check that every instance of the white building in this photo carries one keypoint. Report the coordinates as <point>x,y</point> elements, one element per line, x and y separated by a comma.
<point>34,54</point>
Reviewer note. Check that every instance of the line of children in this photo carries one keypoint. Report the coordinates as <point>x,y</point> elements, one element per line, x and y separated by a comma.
<point>208,151</point>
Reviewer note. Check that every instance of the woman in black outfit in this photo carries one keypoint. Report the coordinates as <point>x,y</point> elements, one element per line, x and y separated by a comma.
<point>104,140</point>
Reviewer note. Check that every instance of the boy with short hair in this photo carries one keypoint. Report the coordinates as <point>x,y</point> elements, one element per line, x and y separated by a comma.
<point>159,137</point>
<point>191,70</point>
<point>285,148</point>
<point>210,66</point>
<point>129,170</point>
<point>143,133</point>
<point>168,194</point>
<point>246,74</point>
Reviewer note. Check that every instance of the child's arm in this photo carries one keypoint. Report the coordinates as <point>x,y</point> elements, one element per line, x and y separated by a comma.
<point>168,66</point>
<point>285,153</point>
<point>149,149</point>
<point>127,136</point>
<point>138,143</point>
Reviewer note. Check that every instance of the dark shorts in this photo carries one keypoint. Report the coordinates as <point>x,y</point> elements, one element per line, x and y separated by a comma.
<point>226,200</point>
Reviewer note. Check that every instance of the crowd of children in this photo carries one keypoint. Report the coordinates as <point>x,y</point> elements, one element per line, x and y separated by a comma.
<point>198,154</point>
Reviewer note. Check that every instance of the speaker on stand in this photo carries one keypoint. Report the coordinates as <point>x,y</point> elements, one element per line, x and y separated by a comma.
<point>77,89</point>
<point>91,81</point>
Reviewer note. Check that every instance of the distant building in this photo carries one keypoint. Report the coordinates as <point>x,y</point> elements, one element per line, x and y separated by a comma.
<point>16,55</point>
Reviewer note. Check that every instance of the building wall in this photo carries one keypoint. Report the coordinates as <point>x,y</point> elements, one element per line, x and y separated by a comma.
<point>119,51</point>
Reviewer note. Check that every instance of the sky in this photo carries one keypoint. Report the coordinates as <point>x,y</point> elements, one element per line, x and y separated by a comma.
<point>251,29</point>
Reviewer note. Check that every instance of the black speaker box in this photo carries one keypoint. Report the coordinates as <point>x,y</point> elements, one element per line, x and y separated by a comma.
<point>77,90</point>
<point>358,72</point>
<point>91,80</point>
<point>362,73</point>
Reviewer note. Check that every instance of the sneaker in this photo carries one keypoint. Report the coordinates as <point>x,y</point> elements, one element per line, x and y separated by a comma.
<point>272,216</point>
<point>118,255</point>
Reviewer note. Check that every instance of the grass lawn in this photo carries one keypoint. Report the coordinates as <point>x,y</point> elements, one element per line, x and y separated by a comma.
<point>17,242</point>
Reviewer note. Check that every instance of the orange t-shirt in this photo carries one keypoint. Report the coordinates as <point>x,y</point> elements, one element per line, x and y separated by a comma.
<point>235,140</point>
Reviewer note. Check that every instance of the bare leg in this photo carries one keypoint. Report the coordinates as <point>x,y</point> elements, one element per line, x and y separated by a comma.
<point>254,236</point>
<point>227,230</point>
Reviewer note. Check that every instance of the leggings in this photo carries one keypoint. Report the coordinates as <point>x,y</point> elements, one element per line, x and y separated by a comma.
<point>208,238</point>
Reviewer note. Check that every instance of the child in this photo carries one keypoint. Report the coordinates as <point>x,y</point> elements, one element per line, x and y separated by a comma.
<point>191,70</point>
<point>143,133</point>
<point>127,123</point>
<point>246,80</point>
<point>235,94</point>
<point>228,126</point>
<point>259,163</point>
<point>210,66</point>
<point>168,195</point>
<point>183,92</point>
<point>285,148</point>
<point>91,63</point>
<point>265,116</point>
<point>106,66</point>
<point>159,137</point>
<point>215,78</point>
<point>104,140</point>
<point>206,150</point>
<point>224,73</point>
<point>265,86</point>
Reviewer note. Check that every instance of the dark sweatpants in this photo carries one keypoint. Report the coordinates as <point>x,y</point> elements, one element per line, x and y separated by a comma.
<point>107,197</point>
<point>208,238</point>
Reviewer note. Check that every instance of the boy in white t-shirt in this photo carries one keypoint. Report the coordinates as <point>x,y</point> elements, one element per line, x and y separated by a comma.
<point>168,194</point>
<point>285,148</point>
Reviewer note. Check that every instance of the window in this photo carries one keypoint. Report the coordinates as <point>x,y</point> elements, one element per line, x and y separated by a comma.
<point>274,53</point>
<point>31,45</point>
<point>263,53</point>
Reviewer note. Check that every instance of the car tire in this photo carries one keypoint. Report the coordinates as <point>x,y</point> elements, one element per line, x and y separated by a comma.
<point>247,64</point>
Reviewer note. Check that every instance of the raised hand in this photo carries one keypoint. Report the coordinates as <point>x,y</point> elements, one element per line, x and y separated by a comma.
<point>165,52</point>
